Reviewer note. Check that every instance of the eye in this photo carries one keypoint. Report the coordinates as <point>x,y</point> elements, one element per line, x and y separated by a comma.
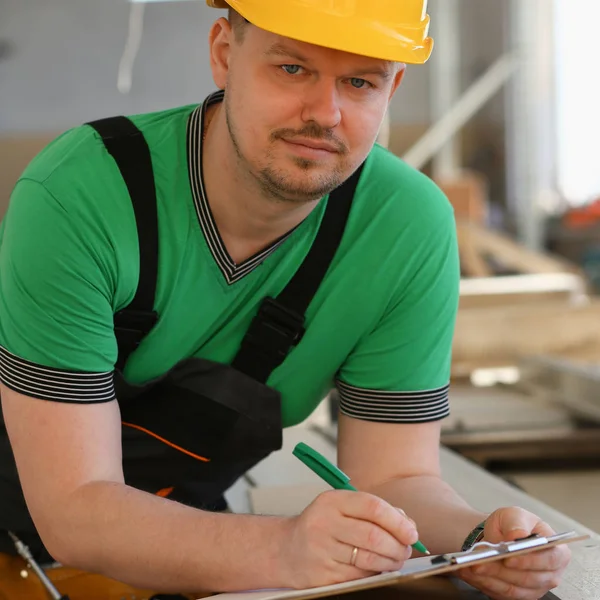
<point>291,69</point>
<point>359,83</point>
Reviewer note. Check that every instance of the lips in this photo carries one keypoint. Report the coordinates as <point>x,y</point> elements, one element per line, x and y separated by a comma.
<point>314,144</point>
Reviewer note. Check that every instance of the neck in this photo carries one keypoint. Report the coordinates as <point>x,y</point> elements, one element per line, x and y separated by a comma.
<point>248,220</point>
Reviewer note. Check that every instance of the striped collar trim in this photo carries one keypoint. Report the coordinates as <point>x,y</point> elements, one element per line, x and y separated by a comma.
<point>231,270</point>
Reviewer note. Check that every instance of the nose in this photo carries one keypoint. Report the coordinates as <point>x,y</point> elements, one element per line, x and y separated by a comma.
<point>322,104</point>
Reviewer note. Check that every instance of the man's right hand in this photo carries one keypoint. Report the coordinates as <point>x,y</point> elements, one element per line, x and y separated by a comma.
<point>322,539</point>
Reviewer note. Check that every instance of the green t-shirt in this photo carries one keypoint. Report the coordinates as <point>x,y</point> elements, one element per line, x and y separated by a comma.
<point>380,326</point>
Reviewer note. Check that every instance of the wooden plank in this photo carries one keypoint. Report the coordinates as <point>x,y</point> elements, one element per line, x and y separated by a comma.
<point>500,336</point>
<point>511,254</point>
<point>530,283</point>
<point>559,447</point>
<point>573,385</point>
<point>500,409</point>
<point>481,489</point>
<point>576,492</point>
<point>501,300</point>
<point>519,289</point>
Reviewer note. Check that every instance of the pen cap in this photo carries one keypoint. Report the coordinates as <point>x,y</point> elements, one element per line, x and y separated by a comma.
<point>321,466</point>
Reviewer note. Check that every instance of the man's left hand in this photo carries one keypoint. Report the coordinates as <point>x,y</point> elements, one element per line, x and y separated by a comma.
<point>526,577</point>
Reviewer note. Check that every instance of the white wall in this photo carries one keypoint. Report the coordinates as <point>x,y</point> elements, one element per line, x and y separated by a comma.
<point>481,41</point>
<point>65,56</point>
<point>63,67</point>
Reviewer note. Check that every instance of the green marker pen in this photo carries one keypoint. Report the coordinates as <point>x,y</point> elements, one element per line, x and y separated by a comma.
<point>335,477</point>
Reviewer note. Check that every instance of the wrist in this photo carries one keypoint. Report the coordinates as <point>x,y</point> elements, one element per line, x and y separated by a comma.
<point>282,569</point>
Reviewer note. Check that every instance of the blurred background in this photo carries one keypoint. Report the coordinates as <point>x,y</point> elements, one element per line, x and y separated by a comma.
<point>505,117</point>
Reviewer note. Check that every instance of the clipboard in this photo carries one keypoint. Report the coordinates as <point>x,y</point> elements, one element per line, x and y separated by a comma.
<point>417,568</point>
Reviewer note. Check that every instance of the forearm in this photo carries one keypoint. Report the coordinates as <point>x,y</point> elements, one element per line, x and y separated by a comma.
<point>156,543</point>
<point>443,518</point>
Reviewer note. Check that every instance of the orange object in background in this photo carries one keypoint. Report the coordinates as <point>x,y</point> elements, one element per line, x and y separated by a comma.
<point>583,216</point>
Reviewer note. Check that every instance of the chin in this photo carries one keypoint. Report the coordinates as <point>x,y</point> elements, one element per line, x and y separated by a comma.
<point>303,187</point>
<point>295,178</point>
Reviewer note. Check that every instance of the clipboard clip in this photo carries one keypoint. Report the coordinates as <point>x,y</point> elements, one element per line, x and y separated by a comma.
<point>486,550</point>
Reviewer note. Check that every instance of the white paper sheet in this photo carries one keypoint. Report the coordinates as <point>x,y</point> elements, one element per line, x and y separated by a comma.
<point>414,565</point>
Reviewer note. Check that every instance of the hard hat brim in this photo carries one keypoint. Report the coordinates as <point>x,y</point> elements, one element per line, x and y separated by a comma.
<point>365,38</point>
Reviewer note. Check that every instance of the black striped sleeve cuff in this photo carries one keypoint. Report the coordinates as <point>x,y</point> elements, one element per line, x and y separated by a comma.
<point>57,385</point>
<point>393,407</point>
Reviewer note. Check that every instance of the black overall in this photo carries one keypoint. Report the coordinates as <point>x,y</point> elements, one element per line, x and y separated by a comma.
<point>203,424</point>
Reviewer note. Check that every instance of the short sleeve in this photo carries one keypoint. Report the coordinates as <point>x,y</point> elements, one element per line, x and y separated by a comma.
<point>56,287</point>
<point>400,371</point>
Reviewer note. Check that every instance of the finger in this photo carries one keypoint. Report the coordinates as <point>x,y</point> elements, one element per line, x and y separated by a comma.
<point>366,561</point>
<point>542,528</point>
<point>406,516</point>
<point>370,537</point>
<point>553,559</point>
<point>510,524</point>
<point>530,580</point>
<point>500,589</point>
<point>367,507</point>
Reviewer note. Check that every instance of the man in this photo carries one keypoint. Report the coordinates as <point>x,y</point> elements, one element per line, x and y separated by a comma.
<point>242,186</point>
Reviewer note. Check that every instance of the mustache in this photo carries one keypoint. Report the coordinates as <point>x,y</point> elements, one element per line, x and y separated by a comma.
<point>311,131</point>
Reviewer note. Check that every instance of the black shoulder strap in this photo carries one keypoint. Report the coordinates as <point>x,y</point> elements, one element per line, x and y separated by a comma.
<point>279,323</point>
<point>126,143</point>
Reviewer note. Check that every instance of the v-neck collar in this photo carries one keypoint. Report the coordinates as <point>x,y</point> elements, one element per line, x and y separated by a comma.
<point>231,270</point>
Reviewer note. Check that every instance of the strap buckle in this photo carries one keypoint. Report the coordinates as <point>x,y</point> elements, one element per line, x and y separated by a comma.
<point>131,320</point>
<point>275,327</point>
<point>131,327</point>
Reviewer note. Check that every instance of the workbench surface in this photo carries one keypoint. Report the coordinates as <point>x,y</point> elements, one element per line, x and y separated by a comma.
<point>283,485</point>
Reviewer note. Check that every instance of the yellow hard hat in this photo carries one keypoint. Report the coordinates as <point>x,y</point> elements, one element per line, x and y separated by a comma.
<point>395,30</point>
